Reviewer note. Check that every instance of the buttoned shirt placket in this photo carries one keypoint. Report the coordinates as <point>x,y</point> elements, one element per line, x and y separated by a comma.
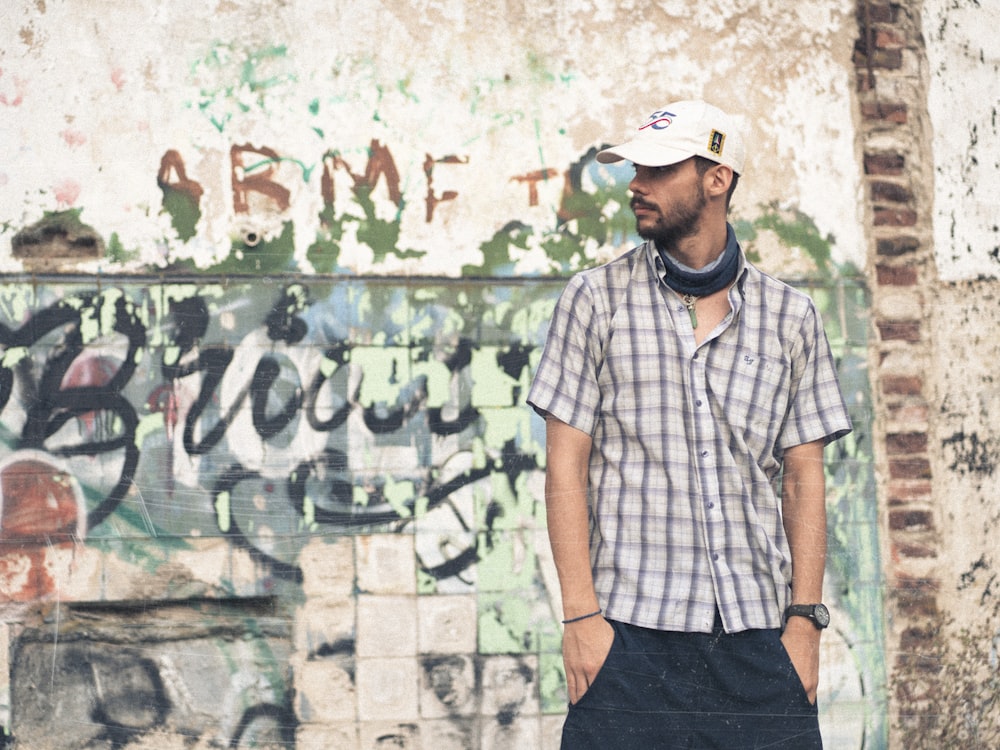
<point>706,503</point>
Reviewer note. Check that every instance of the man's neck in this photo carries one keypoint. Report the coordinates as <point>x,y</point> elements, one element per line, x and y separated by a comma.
<point>700,249</point>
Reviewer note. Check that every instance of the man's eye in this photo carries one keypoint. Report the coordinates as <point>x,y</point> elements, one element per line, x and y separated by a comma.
<point>653,171</point>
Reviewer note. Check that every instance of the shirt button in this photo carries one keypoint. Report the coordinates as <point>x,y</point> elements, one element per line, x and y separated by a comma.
<point>711,505</point>
<point>698,402</point>
<point>715,556</point>
<point>704,454</point>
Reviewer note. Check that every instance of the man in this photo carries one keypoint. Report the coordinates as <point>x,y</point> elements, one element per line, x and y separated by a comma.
<point>688,398</point>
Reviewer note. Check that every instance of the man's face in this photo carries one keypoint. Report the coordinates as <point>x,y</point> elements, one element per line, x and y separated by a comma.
<point>667,202</point>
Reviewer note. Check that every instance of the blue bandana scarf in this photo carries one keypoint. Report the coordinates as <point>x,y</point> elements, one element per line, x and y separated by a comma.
<point>715,276</point>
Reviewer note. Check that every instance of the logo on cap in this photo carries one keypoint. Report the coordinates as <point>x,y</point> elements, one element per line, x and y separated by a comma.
<point>659,120</point>
<point>716,141</point>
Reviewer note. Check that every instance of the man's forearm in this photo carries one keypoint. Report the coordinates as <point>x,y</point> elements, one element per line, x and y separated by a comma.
<point>804,517</point>
<point>803,502</point>
<point>567,458</point>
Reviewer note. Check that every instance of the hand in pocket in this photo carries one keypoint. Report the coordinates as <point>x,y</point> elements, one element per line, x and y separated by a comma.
<point>586,645</point>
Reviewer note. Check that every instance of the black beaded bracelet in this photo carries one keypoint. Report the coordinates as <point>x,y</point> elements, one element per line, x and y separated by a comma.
<point>581,617</point>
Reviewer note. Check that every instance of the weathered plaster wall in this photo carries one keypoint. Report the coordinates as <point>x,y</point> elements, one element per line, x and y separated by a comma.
<point>963,101</point>
<point>964,109</point>
<point>258,404</point>
<point>400,137</point>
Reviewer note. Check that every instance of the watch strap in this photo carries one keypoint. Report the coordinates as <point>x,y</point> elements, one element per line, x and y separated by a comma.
<point>817,613</point>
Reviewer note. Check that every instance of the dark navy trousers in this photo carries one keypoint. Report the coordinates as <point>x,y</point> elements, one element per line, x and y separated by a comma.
<point>661,690</point>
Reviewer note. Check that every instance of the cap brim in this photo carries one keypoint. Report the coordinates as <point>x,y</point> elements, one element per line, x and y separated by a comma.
<point>643,154</point>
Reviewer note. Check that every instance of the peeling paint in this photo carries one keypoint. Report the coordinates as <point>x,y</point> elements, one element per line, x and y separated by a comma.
<point>491,155</point>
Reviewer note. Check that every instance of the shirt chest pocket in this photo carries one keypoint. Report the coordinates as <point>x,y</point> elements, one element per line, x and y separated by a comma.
<point>752,390</point>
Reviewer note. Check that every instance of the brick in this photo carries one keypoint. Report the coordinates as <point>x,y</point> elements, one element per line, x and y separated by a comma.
<point>902,492</point>
<point>906,442</point>
<point>876,58</point>
<point>896,246</point>
<point>890,191</point>
<point>912,467</point>
<point>886,59</point>
<point>877,13</point>
<point>907,413</point>
<point>860,56</point>
<point>905,520</point>
<point>899,330</point>
<point>58,239</point>
<point>918,648</point>
<point>916,550</point>
<point>918,638</point>
<point>895,217</point>
<point>896,275</point>
<point>916,596</point>
<point>884,163</point>
<point>894,112</point>
<point>902,385</point>
<point>889,38</point>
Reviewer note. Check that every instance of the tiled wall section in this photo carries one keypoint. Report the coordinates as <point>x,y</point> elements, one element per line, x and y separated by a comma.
<point>352,456</point>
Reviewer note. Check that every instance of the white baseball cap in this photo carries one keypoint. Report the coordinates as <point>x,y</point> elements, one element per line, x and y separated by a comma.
<point>679,131</point>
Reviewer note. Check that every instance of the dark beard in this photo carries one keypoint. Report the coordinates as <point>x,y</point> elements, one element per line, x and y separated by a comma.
<point>668,231</point>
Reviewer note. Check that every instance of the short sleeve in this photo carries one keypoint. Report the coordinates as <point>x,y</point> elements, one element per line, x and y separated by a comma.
<point>565,383</point>
<point>816,407</point>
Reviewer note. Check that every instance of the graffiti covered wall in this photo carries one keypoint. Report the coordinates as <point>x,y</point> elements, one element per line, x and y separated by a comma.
<point>142,421</point>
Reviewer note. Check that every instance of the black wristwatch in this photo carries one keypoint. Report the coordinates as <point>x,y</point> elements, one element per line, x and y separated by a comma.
<point>818,613</point>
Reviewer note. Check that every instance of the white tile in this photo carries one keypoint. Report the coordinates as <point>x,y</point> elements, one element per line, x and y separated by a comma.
<point>324,692</point>
<point>448,686</point>
<point>322,622</point>
<point>382,735</point>
<point>447,624</point>
<point>387,689</point>
<point>387,626</point>
<point>450,557</point>
<point>509,687</point>
<point>327,737</point>
<point>327,568</point>
<point>450,734</point>
<point>552,731</point>
<point>521,734</point>
<point>386,564</point>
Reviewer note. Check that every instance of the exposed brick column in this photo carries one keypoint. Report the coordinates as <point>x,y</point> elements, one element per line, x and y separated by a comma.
<point>891,89</point>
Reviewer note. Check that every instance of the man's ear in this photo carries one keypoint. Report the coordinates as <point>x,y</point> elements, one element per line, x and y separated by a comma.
<point>718,179</point>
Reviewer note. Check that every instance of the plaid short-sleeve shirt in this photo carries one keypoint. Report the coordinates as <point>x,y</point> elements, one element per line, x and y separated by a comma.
<point>688,440</point>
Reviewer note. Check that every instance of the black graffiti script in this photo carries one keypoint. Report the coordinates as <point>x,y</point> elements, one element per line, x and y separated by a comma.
<point>83,368</point>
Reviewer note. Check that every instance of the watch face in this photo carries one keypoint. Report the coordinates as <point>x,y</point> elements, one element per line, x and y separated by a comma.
<point>822,615</point>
